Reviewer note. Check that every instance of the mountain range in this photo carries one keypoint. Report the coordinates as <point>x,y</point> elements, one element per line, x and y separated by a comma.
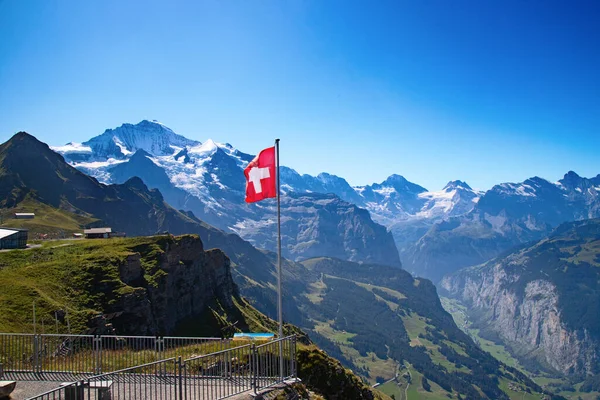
<point>207,179</point>
<point>434,232</point>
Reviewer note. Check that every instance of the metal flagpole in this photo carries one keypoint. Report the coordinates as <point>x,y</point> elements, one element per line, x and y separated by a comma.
<point>279,309</point>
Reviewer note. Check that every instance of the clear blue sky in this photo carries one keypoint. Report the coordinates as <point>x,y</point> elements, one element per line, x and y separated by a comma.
<point>483,91</point>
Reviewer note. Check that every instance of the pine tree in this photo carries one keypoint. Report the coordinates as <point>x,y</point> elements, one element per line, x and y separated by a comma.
<point>426,384</point>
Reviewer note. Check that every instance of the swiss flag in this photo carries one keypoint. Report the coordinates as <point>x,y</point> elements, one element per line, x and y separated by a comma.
<point>261,182</point>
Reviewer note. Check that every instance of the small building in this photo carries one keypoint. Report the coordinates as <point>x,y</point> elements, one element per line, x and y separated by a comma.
<point>24,215</point>
<point>78,235</point>
<point>97,233</point>
<point>13,238</point>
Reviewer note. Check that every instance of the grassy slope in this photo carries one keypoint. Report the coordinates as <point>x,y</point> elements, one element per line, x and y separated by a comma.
<point>82,277</point>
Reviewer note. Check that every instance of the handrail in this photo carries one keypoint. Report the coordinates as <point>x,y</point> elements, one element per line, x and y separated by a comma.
<point>219,374</point>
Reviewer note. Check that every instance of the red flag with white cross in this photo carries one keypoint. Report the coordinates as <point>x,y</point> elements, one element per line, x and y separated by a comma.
<point>261,182</point>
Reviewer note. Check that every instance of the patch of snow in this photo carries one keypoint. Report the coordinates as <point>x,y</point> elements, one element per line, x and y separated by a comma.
<point>72,148</point>
<point>497,221</point>
<point>121,146</point>
<point>207,148</point>
<point>525,190</point>
<point>216,180</point>
<point>385,191</point>
<point>98,164</point>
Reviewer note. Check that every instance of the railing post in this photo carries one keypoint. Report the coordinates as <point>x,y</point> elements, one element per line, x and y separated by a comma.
<point>159,347</point>
<point>180,377</point>
<point>254,367</point>
<point>36,349</point>
<point>97,354</point>
<point>294,372</point>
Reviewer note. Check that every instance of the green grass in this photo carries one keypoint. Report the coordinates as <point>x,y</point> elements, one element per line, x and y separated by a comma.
<point>587,252</point>
<point>48,220</point>
<point>416,392</point>
<point>316,291</point>
<point>518,393</point>
<point>375,365</point>
<point>414,325</point>
<point>392,388</point>
<point>339,337</point>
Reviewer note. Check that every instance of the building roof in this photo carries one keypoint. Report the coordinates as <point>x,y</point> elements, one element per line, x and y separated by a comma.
<point>7,232</point>
<point>97,230</point>
<point>25,214</point>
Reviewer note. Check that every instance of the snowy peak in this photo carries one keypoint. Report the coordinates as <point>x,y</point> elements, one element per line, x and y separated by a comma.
<point>150,136</point>
<point>453,185</point>
<point>574,182</point>
<point>73,148</point>
<point>400,184</point>
<point>205,149</point>
<point>456,198</point>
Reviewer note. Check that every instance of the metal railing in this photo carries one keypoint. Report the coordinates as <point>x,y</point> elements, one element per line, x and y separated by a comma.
<point>77,356</point>
<point>270,369</point>
<point>218,375</point>
<point>64,392</point>
<point>157,380</point>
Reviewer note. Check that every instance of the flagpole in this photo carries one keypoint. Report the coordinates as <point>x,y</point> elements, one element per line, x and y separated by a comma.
<point>279,307</point>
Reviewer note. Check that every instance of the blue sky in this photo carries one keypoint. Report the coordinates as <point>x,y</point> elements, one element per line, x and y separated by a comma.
<point>481,91</point>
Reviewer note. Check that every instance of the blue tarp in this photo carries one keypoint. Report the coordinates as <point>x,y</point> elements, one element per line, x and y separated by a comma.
<point>253,336</point>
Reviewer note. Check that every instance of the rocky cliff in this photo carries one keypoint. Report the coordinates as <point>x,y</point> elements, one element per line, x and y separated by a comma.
<point>541,300</point>
<point>186,281</point>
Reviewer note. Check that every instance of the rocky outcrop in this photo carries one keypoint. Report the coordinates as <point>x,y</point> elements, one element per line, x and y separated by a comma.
<point>326,376</point>
<point>539,302</point>
<point>181,281</point>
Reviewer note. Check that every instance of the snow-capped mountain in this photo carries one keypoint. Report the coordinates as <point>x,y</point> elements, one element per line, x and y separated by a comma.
<point>119,143</point>
<point>507,215</point>
<point>434,232</point>
<point>207,179</point>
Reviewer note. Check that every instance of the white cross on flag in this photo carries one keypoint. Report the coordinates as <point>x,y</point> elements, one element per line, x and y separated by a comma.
<point>260,176</point>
